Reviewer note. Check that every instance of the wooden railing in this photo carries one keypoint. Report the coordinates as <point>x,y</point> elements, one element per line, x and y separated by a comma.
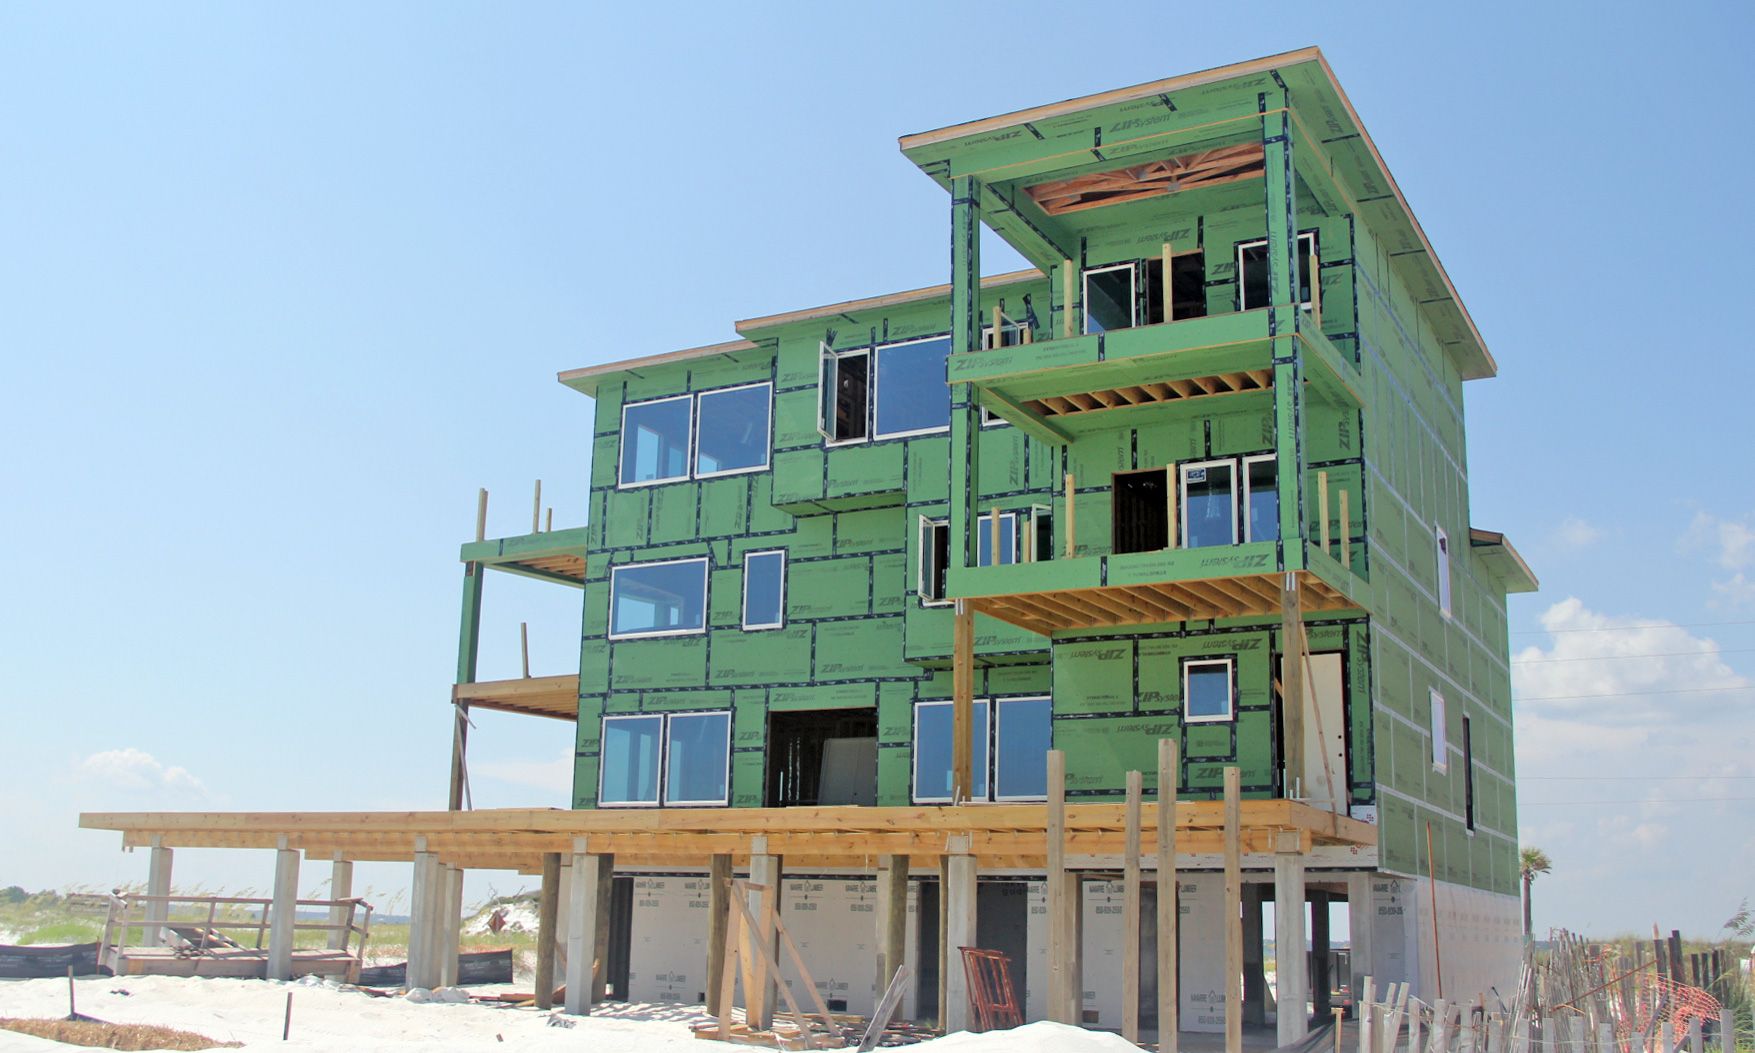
<point>213,916</point>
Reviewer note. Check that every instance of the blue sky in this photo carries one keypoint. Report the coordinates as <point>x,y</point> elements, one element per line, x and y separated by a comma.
<point>282,286</point>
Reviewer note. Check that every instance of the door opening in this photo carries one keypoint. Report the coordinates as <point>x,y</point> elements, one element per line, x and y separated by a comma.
<point>822,756</point>
<point>1141,511</point>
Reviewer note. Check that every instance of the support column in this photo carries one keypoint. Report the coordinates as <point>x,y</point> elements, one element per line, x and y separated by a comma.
<point>450,925</point>
<point>468,647</point>
<point>1254,957</point>
<point>959,907</point>
<point>1169,775</point>
<point>965,493</point>
<point>1059,939</point>
<point>423,904</point>
<point>719,926</point>
<point>340,888</point>
<point>547,913</point>
<point>764,905</point>
<point>600,943</point>
<point>158,884</point>
<point>591,871</point>
<point>1233,913</point>
<point>1359,915</point>
<point>892,919</point>
<point>1292,982</point>
<point>1130,912</point>
<point>963,705</point>
<point>284,911</point>
<point>1321,982</point>
<point>1283,320</point>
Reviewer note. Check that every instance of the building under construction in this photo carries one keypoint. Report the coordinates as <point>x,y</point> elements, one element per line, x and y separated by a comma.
<point>883,602</point>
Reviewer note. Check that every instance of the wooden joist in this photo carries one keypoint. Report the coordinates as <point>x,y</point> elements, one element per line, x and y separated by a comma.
<point>537,696</point>
<point>1207,168</point>
<point>1251,595</point>
<point>1149,393</point>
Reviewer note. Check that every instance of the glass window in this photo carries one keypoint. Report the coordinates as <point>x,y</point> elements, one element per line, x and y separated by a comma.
<point>932,751</point>
<point>1252,270</point>
<point>764,590</point>
<point>655,441</point>
<point>1261,499</point>
<point>1209,504</point>
<point>1008,539</point>
<point>698,760</point>
<point>629,759</point>
<point>935,555</point>
<point>1442,541</point>
<point>1440,733</point>
<point>912,395</point>
<point>844,413</point>
<point>1109,299</point>
<point>1206,690</point>
<point>1021,755</point>
<point>658,599</point>
<point>733,430</point>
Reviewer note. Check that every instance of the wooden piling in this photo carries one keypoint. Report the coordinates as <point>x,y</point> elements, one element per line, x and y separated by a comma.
<point>1130,913</point>
<point>1169,774</point>
<point>1233,912</point>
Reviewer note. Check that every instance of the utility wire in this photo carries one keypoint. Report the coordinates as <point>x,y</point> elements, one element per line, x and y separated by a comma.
<point>1624,628</point>
<point>1631,694</point>
<point>1644,800</point>
<point>1632,778</point>
<point>1619,657</point>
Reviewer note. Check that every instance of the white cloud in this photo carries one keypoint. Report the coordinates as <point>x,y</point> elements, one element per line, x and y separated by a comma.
<point>1729,543</point>
<point>1574,532</point>
<point>137,771</point>
<point>552,776</point>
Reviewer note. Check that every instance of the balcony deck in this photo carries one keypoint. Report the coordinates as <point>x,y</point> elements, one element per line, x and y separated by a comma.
<point>552,555</point>
<point>556,697</point>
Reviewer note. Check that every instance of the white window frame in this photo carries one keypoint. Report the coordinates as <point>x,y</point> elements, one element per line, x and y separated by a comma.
<point>767,433</point>
<point>983,525</point>
<point>876,391</point>
<point>744,611</point>
<point>706,573</point>
<point>664,780</point>
<point>1230,667</point>
<point>1133,285</point>
<point>1243,471</point>
<point>1311,255</point>
<point>1182,471</point>
<point>985,790</point>
<point>927,524</point>
<point>603,736</point>
<point>827,355</point>
<point>1440,731</point>
<point>689,444</point>
<point>1441,552</point>
<point>996,708</point>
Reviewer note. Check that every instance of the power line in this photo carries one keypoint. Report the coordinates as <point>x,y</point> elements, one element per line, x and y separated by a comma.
<point>1644,800</point>
<point>1625,628</point>
<point>1619,657</point>
<point>1631,694</point>
<point>1632,778</point>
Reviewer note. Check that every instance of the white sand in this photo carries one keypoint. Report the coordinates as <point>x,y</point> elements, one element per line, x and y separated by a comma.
<point>326,1018</point>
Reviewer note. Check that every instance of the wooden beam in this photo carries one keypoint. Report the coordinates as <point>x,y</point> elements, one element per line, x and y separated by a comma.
<point>1071,547</point>
<point>1130,904</point>
<point>718,926</point>
<point>1346,534</point>
<point>1169,775</point>
<point>1066,298</point>
<point>963,704</point>
<point>1322,509</point>
<point>1233,914</point>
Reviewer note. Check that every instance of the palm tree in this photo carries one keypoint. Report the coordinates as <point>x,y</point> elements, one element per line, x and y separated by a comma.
<point>1531,863</point>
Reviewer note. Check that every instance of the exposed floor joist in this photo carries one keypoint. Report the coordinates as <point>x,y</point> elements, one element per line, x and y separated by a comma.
<point>536,696</point>
<point>1253,595</point>
<point>1152,392</point>
<point>1227,164</point>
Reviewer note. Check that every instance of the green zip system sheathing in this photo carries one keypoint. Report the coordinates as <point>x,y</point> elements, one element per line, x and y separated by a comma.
<point>1365,398</point>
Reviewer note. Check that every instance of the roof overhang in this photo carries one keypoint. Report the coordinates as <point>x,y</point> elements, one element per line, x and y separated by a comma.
<point>1106,129</point>
<point>1493,549</point>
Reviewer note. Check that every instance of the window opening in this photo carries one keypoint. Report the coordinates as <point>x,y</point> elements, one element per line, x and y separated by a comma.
<point>732,435</point>
<point>1441,542</point>
<point>1188,288</point>
<point>1008,539</point>
<point>1468,745</point>
<point>1440,728</point>
<point>1141,514</point>
<point>935,556</point>
<point>1252,270</point>
<point>658,599</point>
<point>911,394</point>
<point>655,440</point>
<point>845,388</point>
<point>932,752</point>
<point>1261,498</point>
<point>1109,297</point>
<point>764,589</point>
<point>1206,690</point>
<point>1209,504</point>
<point>822,757</point>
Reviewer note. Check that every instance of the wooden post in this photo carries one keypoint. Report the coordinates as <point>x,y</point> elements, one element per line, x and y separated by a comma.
<point>450,925</point>
<point>285,912</point>
<point>998,333</point>
<point>340,888</point>
<point>1167,288</point>
<point>585,920</point>
<point>481,515</point>
<point>1359,934</point>
<point>547,910</point>
<point>718,926</point>
<point>421,899</point>
<point>1169,774</point>
<point>549,524</point>
<point>1233,912</point>
<point>536,510</point>
<point>765,871</point>
<point>1066,298</point>
<point>963,705</point>
<point>524,646</point>
<point>1293,984</point>
<point>1172,485</point>
<point>892,917</point>
<point>1727,1023</point>
<point>1130,911</point>
<point>158,884</point>
<point>958,904</point>
<point>1058,950</point>
<point>994,559</point>
<point>600,950</point>
<point>1322,510</point>
<point>1071,545</point>
<point>1346,534</point>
